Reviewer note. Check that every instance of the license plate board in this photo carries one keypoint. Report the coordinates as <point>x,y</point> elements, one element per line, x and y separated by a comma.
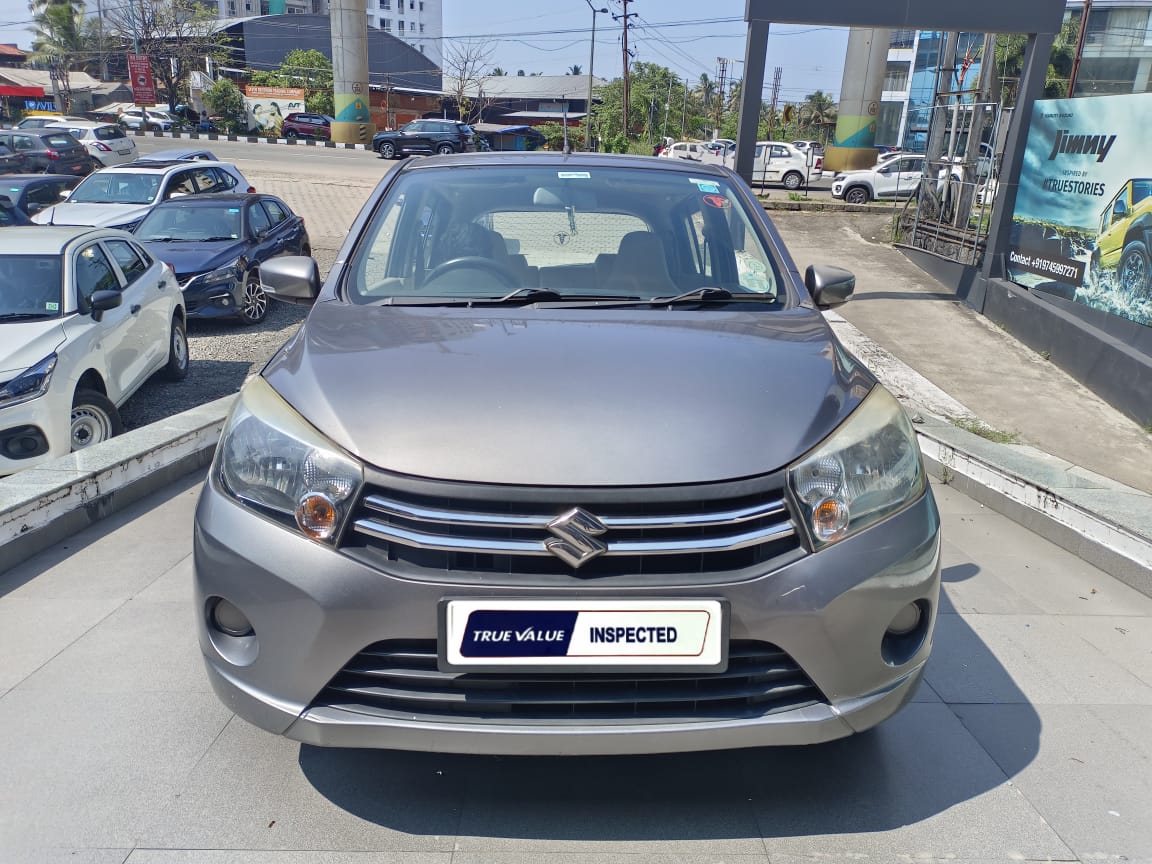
<point>626,635</point>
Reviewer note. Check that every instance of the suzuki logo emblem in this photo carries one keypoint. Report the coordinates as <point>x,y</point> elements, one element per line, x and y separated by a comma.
<point>575,542</point>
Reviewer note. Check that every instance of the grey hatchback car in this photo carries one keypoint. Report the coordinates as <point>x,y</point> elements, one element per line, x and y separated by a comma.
<point>565,460</point>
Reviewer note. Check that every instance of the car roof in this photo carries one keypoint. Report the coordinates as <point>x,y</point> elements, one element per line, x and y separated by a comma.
<point>44,239</point>
<point>559,160</point>
<point>80,124</point>
<point>174,155</point>
<point>217,198</point>
<point>31,179</point>
<point>162,167</point>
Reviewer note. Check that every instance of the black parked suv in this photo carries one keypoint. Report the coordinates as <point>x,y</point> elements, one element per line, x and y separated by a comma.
<point>425,136</point>
<point>48,151</point>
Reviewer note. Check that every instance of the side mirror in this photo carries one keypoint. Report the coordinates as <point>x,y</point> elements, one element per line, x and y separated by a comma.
<point>292,279</point>
<point>829,286</point>
<point>65,194</point>
<point>101,301</point>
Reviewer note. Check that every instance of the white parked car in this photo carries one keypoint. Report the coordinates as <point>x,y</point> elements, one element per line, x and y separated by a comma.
<point>86,317</point>
<point>106,142</point>
<point>120,197</point>
<point>147,119</point>
<point>778,162</point>
<point>895,178</point>
<point>694,151</point>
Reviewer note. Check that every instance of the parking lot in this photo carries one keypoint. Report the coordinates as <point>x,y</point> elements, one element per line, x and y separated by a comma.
<point>1031,741</point>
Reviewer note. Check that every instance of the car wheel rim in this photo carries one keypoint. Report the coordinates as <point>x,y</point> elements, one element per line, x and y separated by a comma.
<point>255,300</point>
<point>1135,272</point>
<point>855,197</point>
<point>445,150</point>
<point>90,425</point>
<point>179,347</point>
<point>386,151</point>
<point>792,182</point>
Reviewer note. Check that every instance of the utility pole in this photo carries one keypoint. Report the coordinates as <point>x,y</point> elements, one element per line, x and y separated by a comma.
<point>776,78</point>
<point>1079,49</point>
<point>684,113</point>
<point>591,61</point>
<point>627,90</point>
<point>720,93</point>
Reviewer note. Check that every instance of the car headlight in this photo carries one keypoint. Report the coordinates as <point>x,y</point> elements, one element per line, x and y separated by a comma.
<point>271,459</point>
<point>867,469</point>
<point>220,275</point>
<point>30,384</point>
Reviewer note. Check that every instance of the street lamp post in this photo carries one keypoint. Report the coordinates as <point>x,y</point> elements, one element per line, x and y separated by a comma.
<point>591,60</point>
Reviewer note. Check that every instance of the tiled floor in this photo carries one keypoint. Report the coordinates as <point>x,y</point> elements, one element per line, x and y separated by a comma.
<point>1032,740</point>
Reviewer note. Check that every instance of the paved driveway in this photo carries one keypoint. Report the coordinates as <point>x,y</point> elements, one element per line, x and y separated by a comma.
<point>1032,742</point>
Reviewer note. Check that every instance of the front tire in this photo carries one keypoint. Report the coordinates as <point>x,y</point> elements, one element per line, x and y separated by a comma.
<point>387,150</point>
<point>445,149</point>
<point>290,134</point>
<point>857,195</point>
<point>94,419</point>
<point>1134,272</point>
<point>177,368</point>
<point>793,181</point>
<point>254,308</point>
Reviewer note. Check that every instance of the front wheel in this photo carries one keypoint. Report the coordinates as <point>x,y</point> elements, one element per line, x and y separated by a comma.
<point>445,149</point>
<point>177,368</point>
<point>1132,276</point>
<point>387,150</point>
<point>857,195</point>
<point>255,302</point>
<point>290,134</point>
<point>793,181</point>
<point>94,419</point>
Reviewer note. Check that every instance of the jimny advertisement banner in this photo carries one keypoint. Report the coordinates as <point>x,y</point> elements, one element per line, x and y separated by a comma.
<point>1082,227</point>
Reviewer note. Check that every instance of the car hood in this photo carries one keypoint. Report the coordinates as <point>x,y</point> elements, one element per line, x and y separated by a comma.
<point>599,397</point>
<point>25,343</point>
<point>96,215</point>
<point>190,258</point>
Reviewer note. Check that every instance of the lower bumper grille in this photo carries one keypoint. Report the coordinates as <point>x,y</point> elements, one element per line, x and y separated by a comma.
<point>400,680</point>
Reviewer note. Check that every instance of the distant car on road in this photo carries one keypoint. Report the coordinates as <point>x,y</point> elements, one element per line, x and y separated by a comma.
<point>48,150</point>
<point>216,244</point>
<point>425,136</point>
<point>896,178</point>
<point>106,142</point>
<point>86,317</point>
<point>778,162</point>
<point>120,197</point>
<point>180,154</point>
<point>33,192</point>
<point>302,125</point>
<point>143,118</point>
<point>39,121</point>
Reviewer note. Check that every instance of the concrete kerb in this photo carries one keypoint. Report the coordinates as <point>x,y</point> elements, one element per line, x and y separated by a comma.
<point>1095,518</point>
<point>814,206</point>
<point>44,505</point>
<point>250,139</point>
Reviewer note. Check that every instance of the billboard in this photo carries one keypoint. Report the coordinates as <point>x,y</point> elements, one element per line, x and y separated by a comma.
<point>1082,227</point>
<point>140,72</point>
<point>268,106</point>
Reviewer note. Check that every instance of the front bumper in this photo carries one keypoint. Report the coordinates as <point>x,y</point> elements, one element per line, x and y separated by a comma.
<point>50,417</point>
<point>223,300</point>
<point>313,609</point>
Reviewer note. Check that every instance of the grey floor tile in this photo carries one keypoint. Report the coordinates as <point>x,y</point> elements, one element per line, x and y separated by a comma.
<point>606,858</point>
<point>1126,640</point>
<point>1091,784</point>
<point>683,804</point>
<point>969,587</point>
<point>86,770</point>
<point>952,502</point>
<point>61,855</point>
<point>1025,658</point>
<point>917,786</point>
<point>142,647</point>
<point>258,791</point>
<point>926,693</point>
<point>238,856</point>
<point>34,630</point>
<point>116,557</point>
<point>174,586</point>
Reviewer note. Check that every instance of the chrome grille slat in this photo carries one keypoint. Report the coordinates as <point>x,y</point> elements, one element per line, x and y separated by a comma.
<point>401,679</point>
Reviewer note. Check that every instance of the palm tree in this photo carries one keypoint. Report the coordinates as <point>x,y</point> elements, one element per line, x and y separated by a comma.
<point>707,91</point>
<point>497,72</point>
<point>64,40</point>
<point>574,69</point>
<point>818,109</point>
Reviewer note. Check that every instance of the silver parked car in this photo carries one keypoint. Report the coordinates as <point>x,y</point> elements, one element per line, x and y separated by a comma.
<point>565,460</point>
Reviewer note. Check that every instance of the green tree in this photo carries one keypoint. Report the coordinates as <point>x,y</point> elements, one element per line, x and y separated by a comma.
<point>575,69</point>
<point>497,72</point>
<point>65,40</point>
<point>224,100</point>
<point>1010,63</point>
<point>308,69</point>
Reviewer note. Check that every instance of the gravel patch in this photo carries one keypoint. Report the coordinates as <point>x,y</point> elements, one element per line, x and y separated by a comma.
<point>223,354</point>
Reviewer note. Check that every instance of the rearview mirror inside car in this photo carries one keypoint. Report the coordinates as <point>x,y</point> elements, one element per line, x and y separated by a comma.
<point>829,286</point>
<point>292,279</point>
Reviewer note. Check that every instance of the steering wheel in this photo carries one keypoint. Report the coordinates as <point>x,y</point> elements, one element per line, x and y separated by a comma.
<point>473,262</point>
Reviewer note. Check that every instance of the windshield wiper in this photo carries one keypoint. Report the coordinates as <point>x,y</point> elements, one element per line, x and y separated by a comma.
<point>525,296</point>
<point>215,239</point>
<point>704,295</point>
<point>24,316</point>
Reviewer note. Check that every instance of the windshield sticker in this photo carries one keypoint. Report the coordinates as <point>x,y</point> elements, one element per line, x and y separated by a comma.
<point>233,209</point>
<point>574,175</point>
<point>717,201</point>
<point>705,185</point>
<point>51,307</point>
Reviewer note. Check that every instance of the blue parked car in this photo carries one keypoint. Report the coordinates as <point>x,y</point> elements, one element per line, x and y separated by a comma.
<point>216,244</point>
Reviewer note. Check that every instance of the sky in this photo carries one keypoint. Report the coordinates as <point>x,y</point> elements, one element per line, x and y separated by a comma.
<point>687,36</point>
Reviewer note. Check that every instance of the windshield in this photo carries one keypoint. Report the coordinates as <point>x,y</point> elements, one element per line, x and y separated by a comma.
<point>31,287</point>
<point>120,188</point>
<point>599,232</point>
<point>190,223</point>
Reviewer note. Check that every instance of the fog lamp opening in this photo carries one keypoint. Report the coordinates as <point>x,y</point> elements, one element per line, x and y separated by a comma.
<point>229,620</point>
<point>906,620</point>
<point>906,633</point>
